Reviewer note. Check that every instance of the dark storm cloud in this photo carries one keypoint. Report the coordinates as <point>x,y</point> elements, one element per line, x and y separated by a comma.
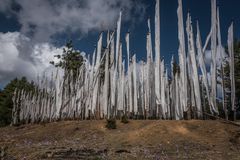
<point>42,19</point>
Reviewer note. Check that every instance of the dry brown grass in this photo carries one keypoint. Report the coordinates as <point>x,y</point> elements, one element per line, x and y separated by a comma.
<point>147,139</point>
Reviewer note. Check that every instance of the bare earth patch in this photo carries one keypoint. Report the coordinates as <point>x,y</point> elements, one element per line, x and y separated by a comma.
<point>148,139</point>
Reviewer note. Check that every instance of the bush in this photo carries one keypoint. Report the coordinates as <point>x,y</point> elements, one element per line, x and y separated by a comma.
<point>111,123</point>
<point>124,119</point>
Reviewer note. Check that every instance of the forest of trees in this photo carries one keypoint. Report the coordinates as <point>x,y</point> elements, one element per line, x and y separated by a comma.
<point>224,73</point>
<point>6,103</point>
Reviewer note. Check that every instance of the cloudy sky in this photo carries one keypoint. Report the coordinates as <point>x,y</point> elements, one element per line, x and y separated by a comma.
<point>32,31</point>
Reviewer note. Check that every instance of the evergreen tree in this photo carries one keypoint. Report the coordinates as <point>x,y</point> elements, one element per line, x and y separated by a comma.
<point>6,103</point>
<point>226,78</point>
<point>70,60</point>
<point>176,67</point>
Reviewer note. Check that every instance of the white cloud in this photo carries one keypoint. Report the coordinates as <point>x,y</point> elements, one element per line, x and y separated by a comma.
<point>14,64</point>
<point>208,57</point>
<point>28,52</point>
<point>220,53</point>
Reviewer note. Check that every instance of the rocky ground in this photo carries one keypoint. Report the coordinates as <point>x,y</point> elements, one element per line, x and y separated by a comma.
<point>148,139</point>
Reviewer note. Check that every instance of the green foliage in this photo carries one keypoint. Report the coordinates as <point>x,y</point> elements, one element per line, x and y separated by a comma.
<point>102,65</point>
<point>124,119</point>
<point>237,73</point>
<point>111,123</point>
<point>70,60</point>
<point>226,76</point>
<point>6,95</point>
<point>176,67</point>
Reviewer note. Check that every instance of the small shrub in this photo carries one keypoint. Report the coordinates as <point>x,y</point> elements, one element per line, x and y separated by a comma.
<point>111,123</point>
<point>124,119</point>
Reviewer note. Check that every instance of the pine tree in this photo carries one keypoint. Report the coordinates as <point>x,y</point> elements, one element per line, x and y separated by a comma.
<point>6,95</point>
<point>227,87</point>
<point>70,60</point>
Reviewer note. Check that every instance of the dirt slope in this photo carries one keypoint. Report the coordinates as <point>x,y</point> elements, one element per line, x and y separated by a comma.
<point>136,140</point>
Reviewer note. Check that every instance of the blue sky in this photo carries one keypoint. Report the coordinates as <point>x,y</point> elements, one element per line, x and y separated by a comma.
<point>28,20</point>
<point>200,10</point>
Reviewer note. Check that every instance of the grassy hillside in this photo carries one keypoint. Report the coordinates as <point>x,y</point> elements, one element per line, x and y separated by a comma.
<point>136,140</point>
